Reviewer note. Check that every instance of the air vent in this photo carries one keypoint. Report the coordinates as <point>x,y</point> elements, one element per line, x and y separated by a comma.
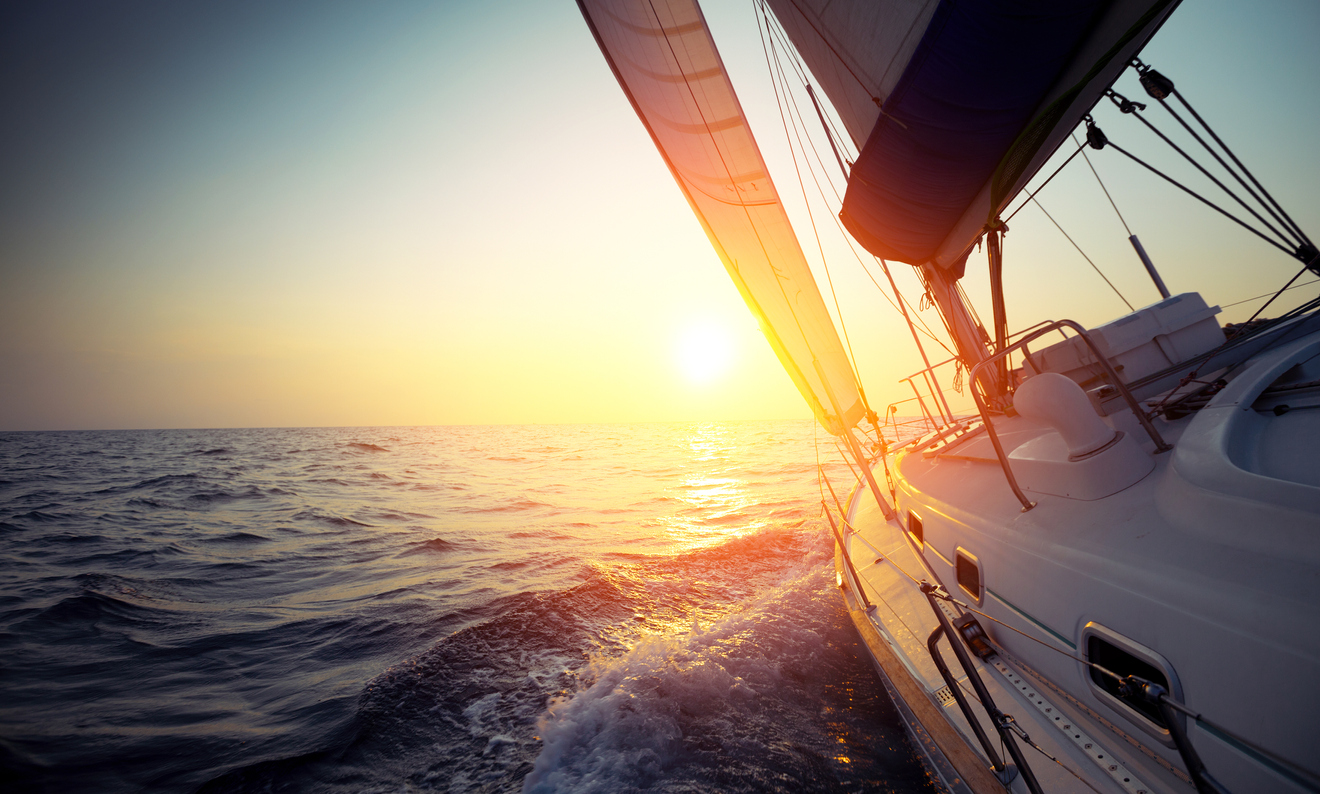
<point>914,528</point>
<point>968,571</point>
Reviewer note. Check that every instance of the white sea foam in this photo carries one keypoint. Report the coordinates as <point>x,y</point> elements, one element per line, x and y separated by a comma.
<point>627,727</point>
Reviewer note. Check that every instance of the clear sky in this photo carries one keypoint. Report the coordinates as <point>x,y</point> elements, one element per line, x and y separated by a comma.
<point>316,213</point>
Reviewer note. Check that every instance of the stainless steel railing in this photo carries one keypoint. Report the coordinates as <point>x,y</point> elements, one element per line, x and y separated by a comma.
<point>1027,504</point>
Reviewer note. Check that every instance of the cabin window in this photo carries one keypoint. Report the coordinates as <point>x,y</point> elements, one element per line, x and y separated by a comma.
<point>968,571</point>
<point>914,528</point>
<point>1124,657</point>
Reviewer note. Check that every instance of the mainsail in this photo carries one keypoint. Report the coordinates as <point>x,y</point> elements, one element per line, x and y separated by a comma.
<point>956,104</point>
<point>664,58</point>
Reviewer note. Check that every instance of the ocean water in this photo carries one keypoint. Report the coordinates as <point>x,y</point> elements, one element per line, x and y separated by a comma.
<point>593,608</point>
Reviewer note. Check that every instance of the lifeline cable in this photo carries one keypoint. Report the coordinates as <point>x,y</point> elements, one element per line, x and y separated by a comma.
<point>768,50</point>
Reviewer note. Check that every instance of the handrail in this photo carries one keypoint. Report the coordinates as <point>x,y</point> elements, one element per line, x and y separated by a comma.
<point>936,392</point>
<point>1000,720</point>
<point>929,417</point>
<point>932,646</point>
<point>1027,504</point>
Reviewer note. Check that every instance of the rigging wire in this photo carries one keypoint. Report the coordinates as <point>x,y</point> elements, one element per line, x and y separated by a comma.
<point>1285,288</point>
<point>795,113</point>
<point>799,71</point>
<point>836,54</point>
<point>939,592</point>
<point>1160,87</point>
<point>1091,165</point>
<point>1272,292</point>
<point>1043,184</point>
<point>1083,253</point>
<point>1132,107</point>
<point>1312,779</point>
<point>802,76</point>
<point>768,50</point>
<point>1290,222</point>
<point>1199,197</point>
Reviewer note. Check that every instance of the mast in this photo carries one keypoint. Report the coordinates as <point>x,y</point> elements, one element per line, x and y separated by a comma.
<point>969,338</point>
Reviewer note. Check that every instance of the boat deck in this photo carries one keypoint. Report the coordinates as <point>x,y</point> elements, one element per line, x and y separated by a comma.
<point>902,619</point>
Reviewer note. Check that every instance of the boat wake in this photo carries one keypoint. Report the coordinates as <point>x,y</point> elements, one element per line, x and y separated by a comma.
<point>728,668</point>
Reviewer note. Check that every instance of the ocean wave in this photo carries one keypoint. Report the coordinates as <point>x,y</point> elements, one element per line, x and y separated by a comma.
<point>43,517</point>
<point>129,587</point>
<point>514,505</point>
<point>751,702</point>
<point>155,504</point>
<point>329,519</point>
<point>401,515</point>
<point>237,537</point>
<point>222,496</point>
<point>165,479</point>
<point>291,645</point>
<point>432,546</point>
<point>92,610</point>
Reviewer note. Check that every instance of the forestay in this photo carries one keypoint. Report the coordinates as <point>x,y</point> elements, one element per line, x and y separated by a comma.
<point>664,58</point>
<point>956,104</point>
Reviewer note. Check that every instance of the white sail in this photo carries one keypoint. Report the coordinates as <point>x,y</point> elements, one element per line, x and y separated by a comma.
<point>666,61</point>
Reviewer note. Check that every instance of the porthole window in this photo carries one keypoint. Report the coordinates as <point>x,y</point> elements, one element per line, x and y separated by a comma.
<point>1123,656</point>
<point>967,569</point>
<point>914,528</point>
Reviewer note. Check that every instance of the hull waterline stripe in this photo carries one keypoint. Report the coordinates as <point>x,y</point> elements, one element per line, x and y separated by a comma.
<point>1278,769</point>
<point>1056,635</point>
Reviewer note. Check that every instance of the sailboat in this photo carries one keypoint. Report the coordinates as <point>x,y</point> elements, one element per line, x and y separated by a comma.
<point>1103,579</point>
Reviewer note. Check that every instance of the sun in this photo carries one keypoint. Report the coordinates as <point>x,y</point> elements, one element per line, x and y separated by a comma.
<point>704,351</point>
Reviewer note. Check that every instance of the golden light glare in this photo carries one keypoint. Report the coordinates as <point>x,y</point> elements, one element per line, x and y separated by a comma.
<point>704,352</point>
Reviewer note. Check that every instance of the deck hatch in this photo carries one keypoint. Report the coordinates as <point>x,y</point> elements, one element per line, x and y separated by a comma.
<point>968,571</point>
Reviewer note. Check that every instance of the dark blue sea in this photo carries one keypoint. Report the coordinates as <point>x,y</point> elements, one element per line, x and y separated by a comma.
<point>591,608</point>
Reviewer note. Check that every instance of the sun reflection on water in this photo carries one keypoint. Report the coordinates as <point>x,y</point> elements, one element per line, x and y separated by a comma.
<point>711,506</point>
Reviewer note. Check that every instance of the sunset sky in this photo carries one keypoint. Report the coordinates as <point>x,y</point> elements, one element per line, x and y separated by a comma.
<point>310,214</point>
